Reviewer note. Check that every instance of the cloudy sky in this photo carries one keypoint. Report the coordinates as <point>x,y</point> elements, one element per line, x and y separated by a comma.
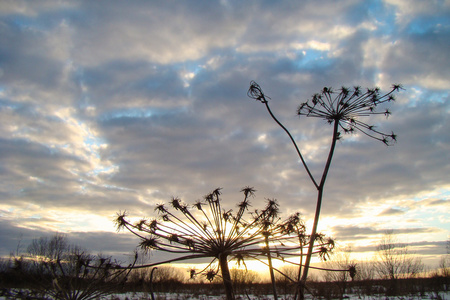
<point>113,106</point>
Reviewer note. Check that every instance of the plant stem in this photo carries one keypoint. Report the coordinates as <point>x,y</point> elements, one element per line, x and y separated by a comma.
<point>318,206</point>
<point>272,276</point>
<point>226,277</point>
<point>293,142</point>
<point>151,282</point>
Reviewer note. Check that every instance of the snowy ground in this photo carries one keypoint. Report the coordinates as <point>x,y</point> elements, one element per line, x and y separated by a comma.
<point>181,296</point>
<point>168,296</point>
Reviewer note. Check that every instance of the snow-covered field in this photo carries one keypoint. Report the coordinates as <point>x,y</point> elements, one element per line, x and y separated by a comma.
<point>185,296</point>
<point>171,296</point>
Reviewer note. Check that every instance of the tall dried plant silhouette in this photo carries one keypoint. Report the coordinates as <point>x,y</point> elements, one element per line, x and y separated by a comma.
<point>344,110</point>
<point>207,230</point>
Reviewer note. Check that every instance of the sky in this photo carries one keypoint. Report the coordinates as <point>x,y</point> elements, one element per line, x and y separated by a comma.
<point>107,106</point>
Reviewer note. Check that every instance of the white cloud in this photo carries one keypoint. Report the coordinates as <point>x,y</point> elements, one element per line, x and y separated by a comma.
<point>408,10</point>
<point>316,45</point>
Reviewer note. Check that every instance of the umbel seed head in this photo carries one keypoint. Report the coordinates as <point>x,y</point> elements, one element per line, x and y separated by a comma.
<point>347,107</point>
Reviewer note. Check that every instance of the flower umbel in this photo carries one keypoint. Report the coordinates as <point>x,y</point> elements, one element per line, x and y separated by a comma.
<point>347,106</point>
<point>207,230</point>
<point>255,92</point>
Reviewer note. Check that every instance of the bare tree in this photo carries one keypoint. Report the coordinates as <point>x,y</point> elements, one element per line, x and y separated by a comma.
<point>243,279</point>
<point>166,274</point>
<point>283,279</point>
<point>395,260</point>
<point>341,260</point>
<point>365,270</point>
<point>52,248</point>
<point>52,268</point>
<point>444,264</point>
<point>244,276</point>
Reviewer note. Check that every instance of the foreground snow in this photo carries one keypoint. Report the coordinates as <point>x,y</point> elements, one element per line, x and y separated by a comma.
<point>173,296</point>
<point>185,296</point>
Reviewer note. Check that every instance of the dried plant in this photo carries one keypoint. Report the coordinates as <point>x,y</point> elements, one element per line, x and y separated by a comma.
<point>344,110</point>
<point>53,269</point>
<point>207,230</point>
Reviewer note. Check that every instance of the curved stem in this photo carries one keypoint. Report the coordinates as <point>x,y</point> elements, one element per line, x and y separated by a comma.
<point>319,187</point>
<point>293,142</point>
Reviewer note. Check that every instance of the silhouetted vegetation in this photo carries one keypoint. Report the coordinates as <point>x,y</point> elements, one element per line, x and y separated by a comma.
<point>207,230</point>
<point>343,110</point>
<point>54,269</point>
<point>175,281</point>
<point>396,262</point>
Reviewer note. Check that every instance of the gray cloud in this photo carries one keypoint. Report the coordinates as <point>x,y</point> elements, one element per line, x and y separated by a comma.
<point>427,248</point>
<point>438,202</point>
<point>16,239</point>
<point>418,58</point>
<point>392,212</point>
<point>353,233</point>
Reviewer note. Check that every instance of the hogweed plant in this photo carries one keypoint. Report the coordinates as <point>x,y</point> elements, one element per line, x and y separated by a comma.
<point>293,245</point>
<point>343,109</point>
<point>207,230</point>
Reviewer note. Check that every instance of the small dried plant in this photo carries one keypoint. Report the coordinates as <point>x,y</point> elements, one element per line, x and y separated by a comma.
<point>54,269</point>
<point>207,230</point>
<point>344,110</point>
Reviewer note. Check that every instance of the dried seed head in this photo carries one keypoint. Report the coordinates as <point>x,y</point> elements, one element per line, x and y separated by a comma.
<point>210,275</point>
<point>120,220</point>
<point>348,107</point>
<point>255,92</point>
